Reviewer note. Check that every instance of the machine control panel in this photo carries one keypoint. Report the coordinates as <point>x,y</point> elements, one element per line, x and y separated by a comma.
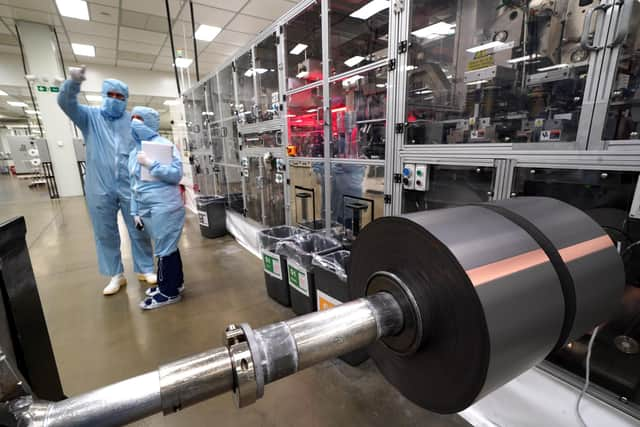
<point>422,179</point>
<point>408,176</point>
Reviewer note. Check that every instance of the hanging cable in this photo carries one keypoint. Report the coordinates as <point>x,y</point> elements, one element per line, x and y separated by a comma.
<point>586,375</point>
<point>33,100</point>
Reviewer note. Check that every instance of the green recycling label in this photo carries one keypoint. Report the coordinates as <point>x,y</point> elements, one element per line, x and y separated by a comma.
<point>298,279</point>
<point>272,264</point>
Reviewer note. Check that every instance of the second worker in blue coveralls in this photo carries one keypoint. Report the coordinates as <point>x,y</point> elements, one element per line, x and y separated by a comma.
<point>107,135</point>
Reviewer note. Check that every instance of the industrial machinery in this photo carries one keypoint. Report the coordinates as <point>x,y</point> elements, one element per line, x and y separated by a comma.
<point>486,304</point>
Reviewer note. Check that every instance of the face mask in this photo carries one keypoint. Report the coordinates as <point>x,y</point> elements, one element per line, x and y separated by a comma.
<point>140,131</point>
<point>113,107</point>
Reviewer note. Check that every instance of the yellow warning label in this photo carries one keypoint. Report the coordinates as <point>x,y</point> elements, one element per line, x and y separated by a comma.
<point>482,59</point>
<point>323,304</point>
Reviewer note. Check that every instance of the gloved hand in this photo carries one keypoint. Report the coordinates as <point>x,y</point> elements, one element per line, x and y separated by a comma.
<point>138,221</point>
<point>144,160</point>
<point>77,73</point>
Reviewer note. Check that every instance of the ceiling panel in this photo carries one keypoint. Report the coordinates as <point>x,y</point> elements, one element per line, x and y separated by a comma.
<point>150,37</point>
<point>105,53</point>
<point>157,23</point>
<point>130,18</point>
<point>154,7</point>
<point>233,5</point>
<point>207,15</point>
<point>93,40</point>
<point>135,56</point>
<point>9,49</point>
<point>105,14</point>
<point>89,27</point>
<point>234,38</point>
<point>35,16</point>
<point>221,48</point>
<point>47,6</point>
<point>272,9</point>
<point>248,24</point>
<point>142,48</point>
<point>112,3</point>
<point>134,64</point>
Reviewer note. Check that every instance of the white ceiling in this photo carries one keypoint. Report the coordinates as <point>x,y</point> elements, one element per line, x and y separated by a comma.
<point>134,33</point>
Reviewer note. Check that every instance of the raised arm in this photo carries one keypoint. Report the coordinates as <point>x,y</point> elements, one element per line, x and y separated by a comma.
<point>171,174</point>
<point>68,101</point>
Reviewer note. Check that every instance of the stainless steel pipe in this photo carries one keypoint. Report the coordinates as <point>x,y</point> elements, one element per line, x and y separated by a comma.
<point>282,349</point>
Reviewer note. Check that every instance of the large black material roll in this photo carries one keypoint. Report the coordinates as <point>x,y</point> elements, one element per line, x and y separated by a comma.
<point>491,291</point>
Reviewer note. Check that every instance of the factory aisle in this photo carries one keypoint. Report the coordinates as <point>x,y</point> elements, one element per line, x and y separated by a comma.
<point>100,340</point>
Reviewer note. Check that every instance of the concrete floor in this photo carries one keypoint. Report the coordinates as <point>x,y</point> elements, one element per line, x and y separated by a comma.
<point>100,340</point>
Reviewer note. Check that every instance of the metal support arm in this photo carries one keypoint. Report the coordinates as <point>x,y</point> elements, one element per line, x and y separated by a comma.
<point>250,359</point>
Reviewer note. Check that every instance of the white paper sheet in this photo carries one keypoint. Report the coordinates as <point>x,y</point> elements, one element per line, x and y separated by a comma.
<point>159,151</point>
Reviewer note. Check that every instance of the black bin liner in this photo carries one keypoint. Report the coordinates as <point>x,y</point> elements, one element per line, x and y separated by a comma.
<point>300,252</point>
<point>331,273</point>
<point>212,216</point>
<point>275,265</point>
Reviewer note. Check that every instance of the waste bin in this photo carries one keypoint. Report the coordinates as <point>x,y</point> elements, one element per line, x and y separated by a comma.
<point>331,274</point>
<point>299,253</point>
<point>275,266</point>
<point>212,216</point>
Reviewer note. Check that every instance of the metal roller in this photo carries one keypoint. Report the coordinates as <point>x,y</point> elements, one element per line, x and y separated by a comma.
<point>494,289</point>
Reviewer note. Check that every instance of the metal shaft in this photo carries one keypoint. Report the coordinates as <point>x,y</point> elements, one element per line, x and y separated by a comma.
<point>278,350</point>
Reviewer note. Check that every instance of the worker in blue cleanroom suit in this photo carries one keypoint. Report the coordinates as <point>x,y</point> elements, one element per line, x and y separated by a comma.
<point>157,207</point>
<point>107,135</point>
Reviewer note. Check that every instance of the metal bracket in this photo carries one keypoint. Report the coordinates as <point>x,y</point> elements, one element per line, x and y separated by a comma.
<point>387,199</point>
<point>400,127</point>
<point>248,385</point>
<point>398,6</point>
<point>12,385</point>
<point>397,178</point>
<point>391,65</point>
<point>403,46</point>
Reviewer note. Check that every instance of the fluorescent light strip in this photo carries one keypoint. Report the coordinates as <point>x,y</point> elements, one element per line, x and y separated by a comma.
<point>298,49</point>
<point>435,31</point>
<point>73,9</point>
<point>32,112</point>
<point>17,104</point>
<point>477,82</point>
<point>172,102</point>
<point>370,9</point>
<point>3,93</point>
<point>207,32</point>
<point>486,46</point>
<point>553,67</point>
<point>83,49</point>
<point>523,58</point>
<point>353,61</point>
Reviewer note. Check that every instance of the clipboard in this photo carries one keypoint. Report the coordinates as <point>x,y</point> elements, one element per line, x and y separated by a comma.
<point>162,152</point>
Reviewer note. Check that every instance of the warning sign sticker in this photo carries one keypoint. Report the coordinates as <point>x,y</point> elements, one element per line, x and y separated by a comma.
<point>325,301</point>
<point>298,278</point>
<point>482,59</point>
<point>272,264</point>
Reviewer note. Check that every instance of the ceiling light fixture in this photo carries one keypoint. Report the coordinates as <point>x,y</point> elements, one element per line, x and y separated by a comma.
<point>370,9</point>
<point>298,49</point>
<point>17,104</point>
<point>94,98</point>
<point>353,61</point>
<point>3,93</point>
<point>171,102</point>
<point>32,112</point>
<point>73,9</point>
<point>183,62</point>
<point>83,49</point>
<point>435,31</point>
<point>351,80</point>
<point>207,33</point>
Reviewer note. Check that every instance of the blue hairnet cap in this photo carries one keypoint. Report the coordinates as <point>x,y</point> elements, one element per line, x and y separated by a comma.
<point>113,85</point>
<point>150,117</point>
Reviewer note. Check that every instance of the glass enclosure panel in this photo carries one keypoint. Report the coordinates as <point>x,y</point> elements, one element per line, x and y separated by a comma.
<point>273,185</point>
<point>448,186</point>
<point>606,196</point>
<point>213,99</point>
<point>227,97</point>
<point>304,119</point>
<point>358,33</point>
<point>195,114</point>
<point>267,79</point>
<point>304,48</point>
<point>484,71</point>
<point>623,115</point>
<point>233,176</point>
<point>229,130</point>
<point>246,95</point>
<point>264,139</point>
<point>358,111</point>
<point>306,193</point>
<point>357,194</point>
<point>252,180</point>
